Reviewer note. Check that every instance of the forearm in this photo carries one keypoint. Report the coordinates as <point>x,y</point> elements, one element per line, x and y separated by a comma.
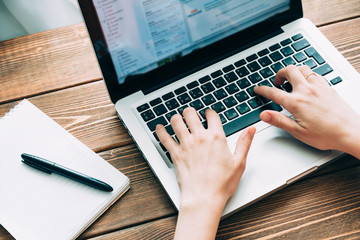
<point>198,221</point>
<point>350,141</point>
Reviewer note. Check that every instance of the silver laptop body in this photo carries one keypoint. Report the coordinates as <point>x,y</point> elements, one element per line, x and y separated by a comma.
<point>127,35</point>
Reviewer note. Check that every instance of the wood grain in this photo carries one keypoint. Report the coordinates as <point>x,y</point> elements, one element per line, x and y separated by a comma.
<point>87,112</point>
<point>46,61</point>
<point>313,209</point>
<point>329,11</point>
<point>64,57</point>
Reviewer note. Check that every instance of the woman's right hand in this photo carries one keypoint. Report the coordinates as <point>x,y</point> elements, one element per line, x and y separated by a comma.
<point>322,118</point>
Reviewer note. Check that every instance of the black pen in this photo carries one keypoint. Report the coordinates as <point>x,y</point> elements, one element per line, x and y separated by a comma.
<point>49,167</point>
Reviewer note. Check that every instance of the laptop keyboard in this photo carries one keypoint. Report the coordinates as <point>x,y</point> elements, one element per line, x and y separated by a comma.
<point>230,90</point>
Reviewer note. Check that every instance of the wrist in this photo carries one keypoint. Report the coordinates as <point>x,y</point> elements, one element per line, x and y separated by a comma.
<point>350,139</point>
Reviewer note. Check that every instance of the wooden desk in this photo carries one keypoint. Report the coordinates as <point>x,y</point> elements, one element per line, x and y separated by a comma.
<point>58,72</point>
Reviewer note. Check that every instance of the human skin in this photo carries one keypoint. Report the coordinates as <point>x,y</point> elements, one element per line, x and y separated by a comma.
<point>207,172</point>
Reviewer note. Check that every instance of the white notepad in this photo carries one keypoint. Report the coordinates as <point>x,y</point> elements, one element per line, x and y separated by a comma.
<point>37,205</point>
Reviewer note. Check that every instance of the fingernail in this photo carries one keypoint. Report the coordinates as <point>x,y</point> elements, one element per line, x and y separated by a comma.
<point>266,117</point>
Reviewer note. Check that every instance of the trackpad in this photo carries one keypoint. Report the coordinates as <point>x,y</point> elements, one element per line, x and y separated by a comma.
<point>276,156</point>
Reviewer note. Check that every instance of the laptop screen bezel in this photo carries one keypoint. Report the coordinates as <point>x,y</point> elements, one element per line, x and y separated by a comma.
<point>186,65</point>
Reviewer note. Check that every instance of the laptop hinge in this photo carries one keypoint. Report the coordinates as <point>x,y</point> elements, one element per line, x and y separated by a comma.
<point>241,46</point>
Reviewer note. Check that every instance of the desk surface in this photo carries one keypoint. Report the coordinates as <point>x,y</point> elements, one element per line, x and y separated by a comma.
<point>58,72</point>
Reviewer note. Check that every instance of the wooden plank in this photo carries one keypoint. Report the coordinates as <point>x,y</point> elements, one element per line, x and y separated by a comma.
<point>46,61</point>
<point>318,208</point>
<point>64,57</point>
<point>330,11</point>
<point>88,114</point>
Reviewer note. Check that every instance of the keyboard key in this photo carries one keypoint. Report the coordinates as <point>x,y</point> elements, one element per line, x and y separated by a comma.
<point>232,88</point>
<point>156,136</point>
<point>184,98</point>
<point>255,77</point>
<point>287,51</point>
<point>220,94</point>
<point>231,114</point>
<point>253,67</point>
<point>230,101</point>
<point>240,63</point>
<point>216,74</point>
<point>242,96</point>
<point>192,85</point>
<point>231,76</point>
<point>254,102</point>
<point>300,45</point>
<point>208,87</point>
<point>205,79</point>
<point>323,70</point>
<point>202,112</point>
<point>265,83</point>
<point>276,56</point>
<point>162,147</point>
<point>266,72</point>
<point>160,109</point>
<point>195,93</point>
<point>155,101</point>
<point>243,108</point>
<point>169,115</point>
<point>181,109</point>
<point>228,68</point>
<point>251,57</point>
<point>147,115</point>
<point>152,124</point>
<point>168,96</point>
<point>222,118</point>
<point>263,52</point>
<point>288,61</point>
<point>336,80</point>
<point>242,72</point>
<point>171,104</point>
<point>274,47</point>
<point>285,42</point>
<point>248,119</point>
<point>208,99</point>
<point>287,87</point>
<point>311,52</point>
<point>197,104</point>
<point>311,63</point>
<point>170,130</point>
<point>277,66</point>
<point>142,107</point>
<point>218,107</point>
<point>169,157</point>
<point>265,61</point>
<point>297,37</point>
<point>219,82</point>
<point>299,57</point>
<point>180,90</point>
<point>243,83</point>
<point>250,91</point>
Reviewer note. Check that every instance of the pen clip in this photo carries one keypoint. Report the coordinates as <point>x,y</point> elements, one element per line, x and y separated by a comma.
<point>37,167</point>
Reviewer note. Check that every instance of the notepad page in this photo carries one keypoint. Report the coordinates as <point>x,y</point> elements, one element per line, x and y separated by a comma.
<point>38,205</point>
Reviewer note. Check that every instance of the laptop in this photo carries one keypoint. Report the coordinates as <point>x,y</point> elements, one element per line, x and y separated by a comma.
<point>159,57</point>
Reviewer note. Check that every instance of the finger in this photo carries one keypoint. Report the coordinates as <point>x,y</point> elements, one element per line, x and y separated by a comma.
<point>213,119</point>
<point>290,73</point>
<point>274,94</point>
<point>164,137</point>
<point>280,120</point>
<point>179,126</point>
<point>243,146</point>
<point>312,77</point>
<point>192,119</point>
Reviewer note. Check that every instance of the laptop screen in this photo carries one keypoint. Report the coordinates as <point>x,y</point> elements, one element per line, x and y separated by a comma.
<point>142,35</point>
